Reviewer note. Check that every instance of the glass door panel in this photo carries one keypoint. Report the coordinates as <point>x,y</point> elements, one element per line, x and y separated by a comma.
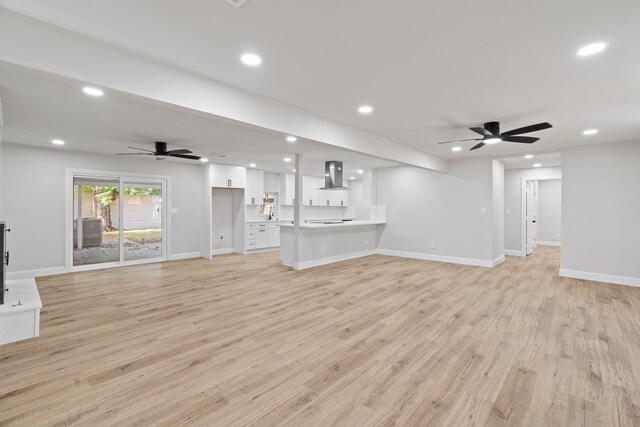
<point>142,225</point>
<point>95,238</point>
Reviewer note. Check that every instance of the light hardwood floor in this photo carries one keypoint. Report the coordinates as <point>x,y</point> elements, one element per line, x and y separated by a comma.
<point>373,341</point>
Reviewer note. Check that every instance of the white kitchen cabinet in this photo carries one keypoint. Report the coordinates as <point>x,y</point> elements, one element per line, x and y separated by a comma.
<point>287,189</point>
<point>227,176</point>
<point>311,193</point>
<point>274,237</point>
<point>262,238</point>
<point>255,187</point>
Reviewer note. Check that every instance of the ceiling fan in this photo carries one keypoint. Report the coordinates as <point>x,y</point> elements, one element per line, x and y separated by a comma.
<point>161,152</point>
<point>491,134</point>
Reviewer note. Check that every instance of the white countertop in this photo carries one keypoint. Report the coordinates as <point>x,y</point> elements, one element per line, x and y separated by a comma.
<point>338,225</point>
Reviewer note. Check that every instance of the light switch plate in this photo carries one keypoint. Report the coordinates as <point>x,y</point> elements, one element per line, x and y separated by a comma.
<point>174,210</point>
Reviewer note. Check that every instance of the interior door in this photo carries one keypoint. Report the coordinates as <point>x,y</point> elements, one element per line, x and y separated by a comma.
<point>531,215</point>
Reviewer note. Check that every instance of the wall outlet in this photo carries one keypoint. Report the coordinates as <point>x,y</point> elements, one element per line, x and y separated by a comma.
<point>174,210</point>
<point>558,235</point>
<point>222,237</point>
<point>484,210</point>
<point>366,242</point>
<point>433,245</point>
<point>321,248</point>
<point>508,211</point>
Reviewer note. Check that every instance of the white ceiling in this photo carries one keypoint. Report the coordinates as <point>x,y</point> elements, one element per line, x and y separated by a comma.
<point>39,108</point>
<point>429,68</point>
<point>546,160</point>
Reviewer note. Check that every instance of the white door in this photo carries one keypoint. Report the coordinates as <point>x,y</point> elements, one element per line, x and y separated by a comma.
<point>531,215</point>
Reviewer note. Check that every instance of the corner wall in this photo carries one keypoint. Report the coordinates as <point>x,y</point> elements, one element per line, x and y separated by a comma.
<point>601,213</point>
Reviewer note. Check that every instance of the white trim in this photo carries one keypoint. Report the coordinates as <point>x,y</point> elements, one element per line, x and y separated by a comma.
<point>510,252</point>
<point>547,243</point>
<point>261,250</point>
<point>221,251</point>
<point>330,260</point>
<point>600,277</point>
<point>442,258</point>
<point>184,255</point>
<point>497,261</point>
<point>27,274</point>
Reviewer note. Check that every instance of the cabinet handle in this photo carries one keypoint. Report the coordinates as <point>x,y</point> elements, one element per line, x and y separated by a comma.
<point>341,202</point>
<point>327,203</point>
<point>310,202</point>
<point>262,231</point>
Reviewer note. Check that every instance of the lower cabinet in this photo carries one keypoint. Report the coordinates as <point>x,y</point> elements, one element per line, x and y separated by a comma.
<point>262,235</point>
<point>262,238</point>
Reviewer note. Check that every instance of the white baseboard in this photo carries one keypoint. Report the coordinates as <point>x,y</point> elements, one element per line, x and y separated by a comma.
<point>599,277</point>
<point>442,258</point>
<point>27,274</point>
<point>332,259</point>
<point>547,243</point>
<point>184,255</point>
<point>514,253</point>
<point>222,251</point>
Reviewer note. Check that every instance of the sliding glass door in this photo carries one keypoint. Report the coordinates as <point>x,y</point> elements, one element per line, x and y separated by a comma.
<point>117,220</point>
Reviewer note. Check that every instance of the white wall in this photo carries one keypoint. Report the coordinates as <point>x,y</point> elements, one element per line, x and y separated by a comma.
<point>222,206</point>
<point>601,213</point>
<point>1,174</point>
<point>451,211</point>
<point>34,200</point>
<point>513,202</point>
<point>549,211</point>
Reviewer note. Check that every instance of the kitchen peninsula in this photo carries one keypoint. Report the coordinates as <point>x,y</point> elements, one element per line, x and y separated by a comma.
<point>325,243</point>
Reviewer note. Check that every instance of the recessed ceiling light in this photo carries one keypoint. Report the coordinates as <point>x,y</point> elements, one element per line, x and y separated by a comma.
<point>528,156</point>
<point>287,159</point>
<point>492,140</point>
<point>291,138</point>
<point>252,165</point>
<point>591,49</point>
<point>353,177</point>
<point>365,109</point>
<point>204,159</point>
<point>536,165</point>
<point>294,170</point>
<point>360,170</point>
<point>57,142</point>
<point>456,148</point>
<point>251,59</point>
<point>590,132</point>
<point>93,91</point>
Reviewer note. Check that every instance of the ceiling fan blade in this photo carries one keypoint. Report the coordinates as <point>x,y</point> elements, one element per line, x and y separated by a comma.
<point>475,147</point>
<point>134,154</point>
<point>142,149</point>
<point>180,151</point>
<point>520,139</point>
<point>185,156</point>
<point>481,131</point>
<point>527,129</point>
<point>460,140</point>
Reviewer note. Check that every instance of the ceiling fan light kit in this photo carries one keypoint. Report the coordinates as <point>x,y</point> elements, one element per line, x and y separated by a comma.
<point>491,134</point>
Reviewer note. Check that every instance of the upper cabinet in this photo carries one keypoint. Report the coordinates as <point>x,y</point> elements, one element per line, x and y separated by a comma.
<point>311,193</point>
<point>228,176</point>
<point>255,187</point>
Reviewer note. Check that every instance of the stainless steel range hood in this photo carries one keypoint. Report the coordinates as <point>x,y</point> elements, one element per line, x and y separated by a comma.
<point>333,176</point>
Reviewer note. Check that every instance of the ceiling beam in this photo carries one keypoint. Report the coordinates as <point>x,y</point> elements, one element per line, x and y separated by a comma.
<point>37,45</point>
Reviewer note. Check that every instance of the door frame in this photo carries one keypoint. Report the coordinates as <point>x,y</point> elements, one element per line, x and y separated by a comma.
<point>122,177</point>
<point>523,208</point>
